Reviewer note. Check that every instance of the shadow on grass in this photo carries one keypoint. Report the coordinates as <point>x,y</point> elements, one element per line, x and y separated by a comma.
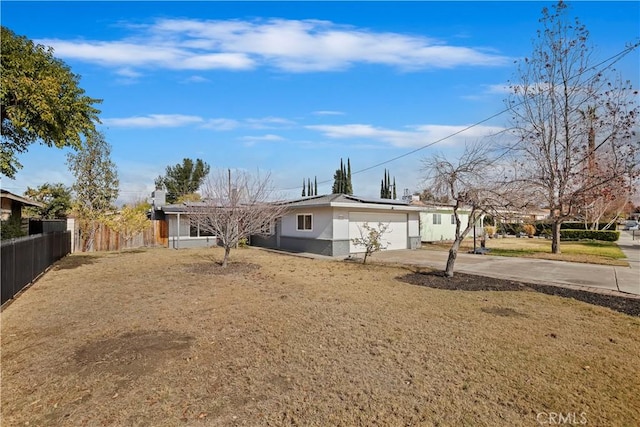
<point>73,261</point>
<point>469,282</point>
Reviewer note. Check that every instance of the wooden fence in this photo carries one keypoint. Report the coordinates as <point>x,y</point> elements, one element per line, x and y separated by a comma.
<point>23,260</point>
<point>106,239</point>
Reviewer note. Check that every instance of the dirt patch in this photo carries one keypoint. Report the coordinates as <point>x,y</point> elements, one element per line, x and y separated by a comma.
<point>217,269</point>
<point>132,353</point>
<point>469,282</point>
<point>502,311</point>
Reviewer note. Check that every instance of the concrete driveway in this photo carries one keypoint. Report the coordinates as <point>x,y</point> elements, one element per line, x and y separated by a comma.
<point>597,278</point>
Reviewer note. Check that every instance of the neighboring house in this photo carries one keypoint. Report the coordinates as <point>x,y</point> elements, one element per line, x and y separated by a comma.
<point>11,205</point>
<point>180,230</point>
<point>523,216</point>
<point>327,224</point>
<point>438,223</point>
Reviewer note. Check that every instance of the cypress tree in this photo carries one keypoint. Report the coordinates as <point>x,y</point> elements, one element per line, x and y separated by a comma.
<point>349,189</point>
<point>304,194</point>
<point>315,184</point>
<point>394,188</point>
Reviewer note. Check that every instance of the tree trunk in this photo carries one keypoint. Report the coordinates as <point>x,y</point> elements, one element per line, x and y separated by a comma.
<point>555,242</point>
<point>453,253</point>
<point>227,251</point>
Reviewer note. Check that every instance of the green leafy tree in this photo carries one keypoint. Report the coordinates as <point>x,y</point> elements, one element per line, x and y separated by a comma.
<point>387,189</point>
<point>183,179</point>
<point>342,179</point>
<point>56,198</point>
<point>41,100</point>
<point>96,185</point>
<point>11,228</point>
<point>371,239</point>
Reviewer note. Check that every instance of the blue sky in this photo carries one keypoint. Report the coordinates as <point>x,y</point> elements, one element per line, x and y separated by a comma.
<point>291,87</point>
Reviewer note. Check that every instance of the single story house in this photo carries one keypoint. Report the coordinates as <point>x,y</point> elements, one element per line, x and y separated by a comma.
<point>11,205</point>
<point>438,223</point>
<point>182,232</point>
<point>327,225</point>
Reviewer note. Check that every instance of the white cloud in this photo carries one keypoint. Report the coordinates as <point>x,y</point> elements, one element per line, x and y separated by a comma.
<point>328,113</point>
<point>153,121</point>
<point>418,136</point>
<point>269,123</point>
<point>286,45</point>
<point>196,79</point>
<point>146,53</point>
<point>221,124</point>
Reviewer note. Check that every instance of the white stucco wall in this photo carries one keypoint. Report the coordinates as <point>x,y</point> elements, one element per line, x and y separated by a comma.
<point>413,224</point>
<point>322,225</point>
<point>430,232</point>
<point>341,224</point>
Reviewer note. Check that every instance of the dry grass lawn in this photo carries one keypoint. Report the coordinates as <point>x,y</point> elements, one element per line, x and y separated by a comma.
<point>160,337</point>
<point>591,252</point>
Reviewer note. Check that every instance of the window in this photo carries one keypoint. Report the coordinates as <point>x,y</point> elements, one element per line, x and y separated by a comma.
<point>437,219</point>
<point>196,230</point>
<point>453,219</point>
<point>305,222</point>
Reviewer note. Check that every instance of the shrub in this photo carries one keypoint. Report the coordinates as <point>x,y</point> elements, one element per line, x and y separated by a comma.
<point>11,228</point>
<point>582,226</point>
<point>489,230</point>
<point>606,236</point>
<point>529,229</point>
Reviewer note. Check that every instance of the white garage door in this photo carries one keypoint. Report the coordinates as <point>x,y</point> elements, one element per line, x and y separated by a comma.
<point>394,238</point>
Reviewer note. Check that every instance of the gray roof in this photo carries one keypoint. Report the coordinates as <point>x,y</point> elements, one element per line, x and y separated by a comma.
<point>329,199</point>
<point>20,199</point>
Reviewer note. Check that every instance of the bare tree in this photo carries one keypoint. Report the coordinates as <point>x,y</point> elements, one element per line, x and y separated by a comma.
<point>567,117</point>
<point>235,206</point>
<point>371,239</point>
<point>467,183</point>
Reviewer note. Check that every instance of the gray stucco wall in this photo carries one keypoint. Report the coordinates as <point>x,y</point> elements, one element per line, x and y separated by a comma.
<point>299,244</point>
<point>186,242</point>
<point>264,241</point>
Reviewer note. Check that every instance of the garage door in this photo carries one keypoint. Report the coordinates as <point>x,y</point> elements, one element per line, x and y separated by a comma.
<point>394,238</point>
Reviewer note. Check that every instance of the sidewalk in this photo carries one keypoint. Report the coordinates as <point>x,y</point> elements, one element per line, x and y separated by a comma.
<point>597,278</point>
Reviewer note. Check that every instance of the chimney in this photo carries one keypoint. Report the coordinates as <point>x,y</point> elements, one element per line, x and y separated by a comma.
<point>158,199</point>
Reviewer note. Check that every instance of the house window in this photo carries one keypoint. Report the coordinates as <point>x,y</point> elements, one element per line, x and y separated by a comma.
<point>196,230</point>
<point>453,219</point>
<point>305,222</point>
<point>437,218</point>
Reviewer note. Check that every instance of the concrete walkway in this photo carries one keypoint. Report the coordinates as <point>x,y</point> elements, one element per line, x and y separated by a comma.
<point>597,278</point>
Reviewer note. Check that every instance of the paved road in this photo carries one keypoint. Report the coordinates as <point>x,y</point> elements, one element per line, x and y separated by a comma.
<point>598,278</point>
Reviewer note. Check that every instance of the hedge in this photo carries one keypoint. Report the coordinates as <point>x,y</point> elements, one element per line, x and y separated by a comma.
<point>607,236</point>
<point>581,226</point>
